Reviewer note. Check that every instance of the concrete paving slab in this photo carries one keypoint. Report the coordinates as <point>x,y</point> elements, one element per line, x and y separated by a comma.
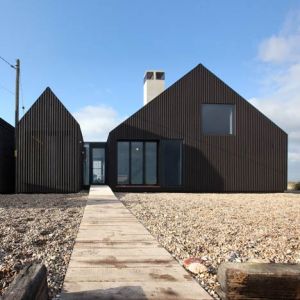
<point>115,257</point>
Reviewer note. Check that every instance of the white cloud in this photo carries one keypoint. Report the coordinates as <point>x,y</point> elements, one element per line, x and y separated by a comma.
<point>97,121</point>
<point>280,101</point>
<point>279,49</point>
<point>294,156</point>
<point>284,46</point>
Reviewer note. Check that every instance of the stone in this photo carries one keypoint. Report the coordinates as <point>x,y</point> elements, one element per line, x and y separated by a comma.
<point>197,268</point>
<point>191,260</point>
<point>195,265</point>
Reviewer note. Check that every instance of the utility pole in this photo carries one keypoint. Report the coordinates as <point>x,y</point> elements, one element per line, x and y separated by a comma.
<point>17,67</point>
<point>17,92</point>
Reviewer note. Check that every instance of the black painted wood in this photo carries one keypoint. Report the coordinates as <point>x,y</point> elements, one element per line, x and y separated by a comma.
<point>29,284</point>
<point>253,160</point>
<point>7,160</point>
<point>49,149</point>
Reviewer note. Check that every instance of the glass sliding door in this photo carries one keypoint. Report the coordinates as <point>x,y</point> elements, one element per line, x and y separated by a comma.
<point>137,162</point>
<point>98,165</point>
<point>150,163</point>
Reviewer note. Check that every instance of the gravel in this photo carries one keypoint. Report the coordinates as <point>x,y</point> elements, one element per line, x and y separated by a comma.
<point>38,228</point>
<point>221,227</point>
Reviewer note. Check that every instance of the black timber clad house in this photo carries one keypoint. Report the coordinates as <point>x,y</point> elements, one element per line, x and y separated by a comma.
<point>201,137</point>
<point>49,149</point>
<point>7,160</point>
<point>198,135</point>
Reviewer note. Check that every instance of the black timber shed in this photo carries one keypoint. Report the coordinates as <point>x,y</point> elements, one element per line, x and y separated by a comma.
<point>7,159</point>
<point>49,148</point>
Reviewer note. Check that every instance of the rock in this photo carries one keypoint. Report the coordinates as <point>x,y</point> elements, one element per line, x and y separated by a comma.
<point>233,257</point>
<point>195,265</point>
<point>191,260</point>
<point>197,268</point>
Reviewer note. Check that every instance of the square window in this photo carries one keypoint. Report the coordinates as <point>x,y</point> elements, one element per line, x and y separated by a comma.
<point>218,119</point>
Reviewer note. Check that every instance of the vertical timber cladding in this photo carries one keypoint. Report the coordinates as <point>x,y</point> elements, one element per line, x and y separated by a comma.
<point>7,159</point>
<point>49,148</point>
<point>252,160</point>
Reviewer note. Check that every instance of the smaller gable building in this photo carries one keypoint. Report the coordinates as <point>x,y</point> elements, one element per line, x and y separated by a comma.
<point>7,159</point>
<point>49,148</point>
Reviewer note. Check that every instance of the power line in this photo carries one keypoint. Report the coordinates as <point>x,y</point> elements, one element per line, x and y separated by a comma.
<point>6,89</point>
<point>7,62</point>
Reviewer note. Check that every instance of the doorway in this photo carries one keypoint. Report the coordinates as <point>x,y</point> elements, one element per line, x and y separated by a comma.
<point>98,166</point>
<point>94,172</point>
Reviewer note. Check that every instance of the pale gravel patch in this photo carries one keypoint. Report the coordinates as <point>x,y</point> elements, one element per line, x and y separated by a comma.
<point>38,228</point>
<point>221,227</point>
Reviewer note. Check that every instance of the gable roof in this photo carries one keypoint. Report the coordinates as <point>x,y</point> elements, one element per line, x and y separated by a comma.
<point>47,96</point>
<point>6,126</point>
<point>191,76</point>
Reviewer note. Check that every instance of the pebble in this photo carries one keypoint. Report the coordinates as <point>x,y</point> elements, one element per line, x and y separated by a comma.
<point>221,227</point>
<point>41,230</point>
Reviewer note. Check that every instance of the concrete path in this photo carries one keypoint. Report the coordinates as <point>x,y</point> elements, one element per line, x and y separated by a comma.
<point>115,257</point>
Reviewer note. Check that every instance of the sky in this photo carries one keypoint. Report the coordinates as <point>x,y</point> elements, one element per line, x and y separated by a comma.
<point>94,53</point>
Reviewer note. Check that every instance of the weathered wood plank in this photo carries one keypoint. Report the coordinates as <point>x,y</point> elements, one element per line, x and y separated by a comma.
<point>259,281</point>
<point>30,284</point>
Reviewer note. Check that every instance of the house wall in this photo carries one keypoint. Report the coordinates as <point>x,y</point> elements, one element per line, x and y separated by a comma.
<point>49,144</point>
<point>253,160</point>
<point>7,160</point>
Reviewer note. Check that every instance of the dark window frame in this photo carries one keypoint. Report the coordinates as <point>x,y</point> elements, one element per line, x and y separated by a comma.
<point>129,161</point>
<point>182,160</point>
<point>218,134</point>
<point>144,162</point>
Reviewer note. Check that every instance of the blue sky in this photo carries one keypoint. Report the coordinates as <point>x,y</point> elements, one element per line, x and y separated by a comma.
<point>93,54</point>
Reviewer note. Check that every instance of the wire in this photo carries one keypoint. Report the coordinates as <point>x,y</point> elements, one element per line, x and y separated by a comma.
<point>6,89</point>
<point>7,62</point>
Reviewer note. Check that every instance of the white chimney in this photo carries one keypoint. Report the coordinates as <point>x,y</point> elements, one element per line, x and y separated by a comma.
<point>154,84</point>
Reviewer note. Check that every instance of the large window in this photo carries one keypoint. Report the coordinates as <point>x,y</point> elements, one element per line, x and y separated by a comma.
<point>137,156</point>
<point>171,163</point>
<point>150,163</point>
<point>218,119</point>
<point>123,162</point>
<point>137,162</point>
